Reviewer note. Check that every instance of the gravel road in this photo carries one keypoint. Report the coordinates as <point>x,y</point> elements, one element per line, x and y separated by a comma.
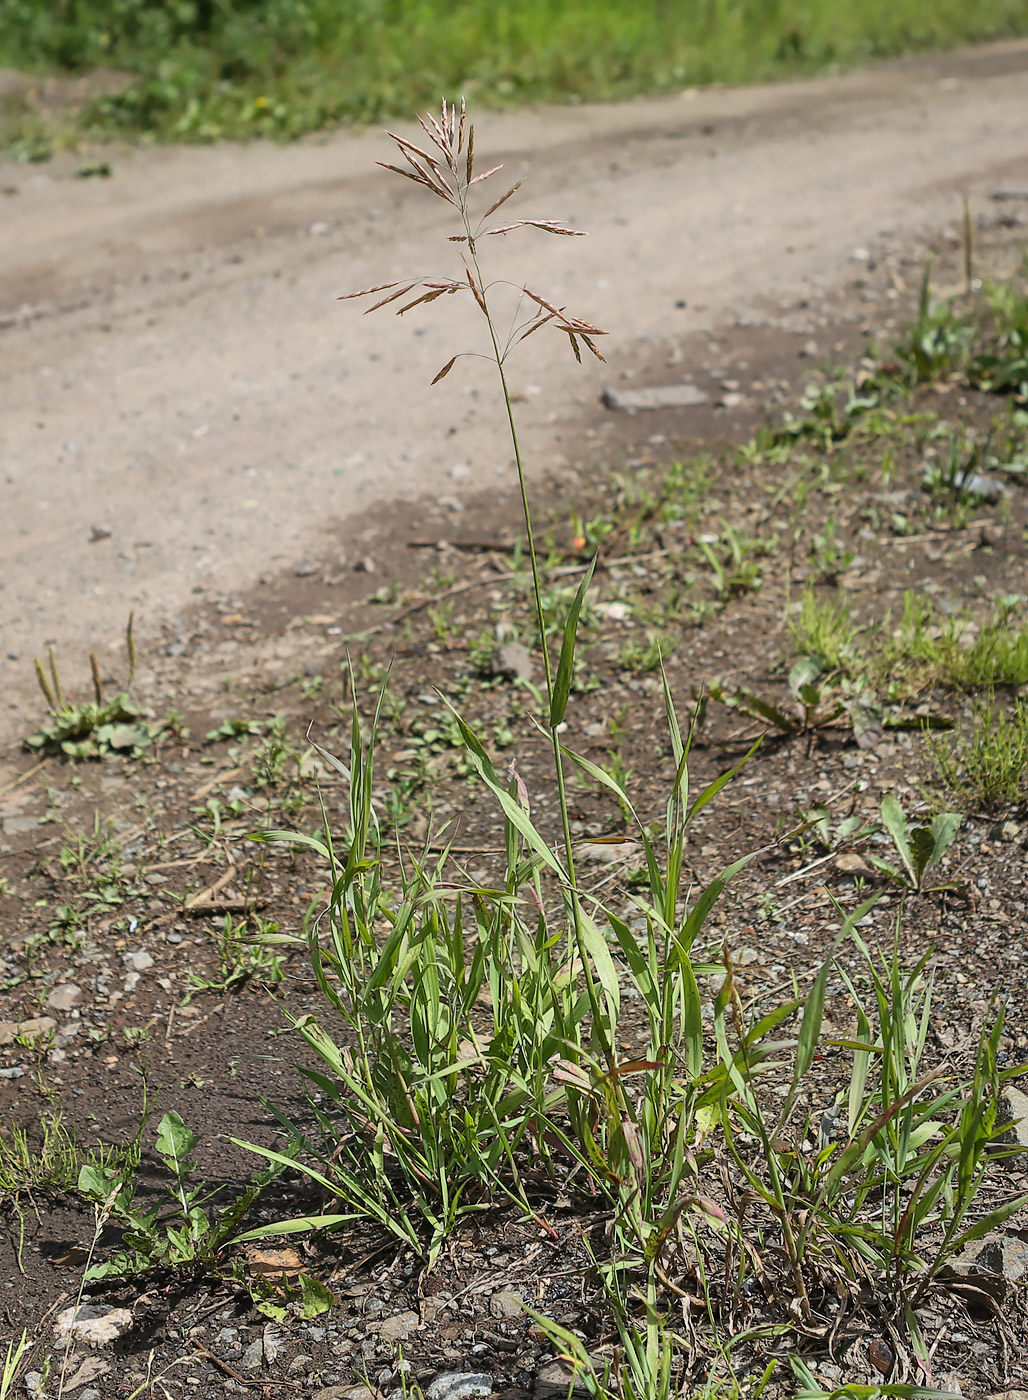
<point>187,406</point>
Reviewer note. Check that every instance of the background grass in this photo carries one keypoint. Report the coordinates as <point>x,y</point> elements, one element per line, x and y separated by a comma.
<point>209,68</point>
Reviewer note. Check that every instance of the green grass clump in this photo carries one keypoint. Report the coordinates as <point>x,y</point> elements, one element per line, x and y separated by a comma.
<point>205,69</point>
<point>938,652</point>
<point>986,767</point>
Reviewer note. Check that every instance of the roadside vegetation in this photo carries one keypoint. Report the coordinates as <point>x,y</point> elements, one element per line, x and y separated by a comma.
<point>197,71</point>
<point>527,996</point>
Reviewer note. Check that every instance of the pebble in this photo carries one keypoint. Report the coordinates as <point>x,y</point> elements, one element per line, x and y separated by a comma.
<point>12,1072</point>
<point>253,1356</point>
<point>989,488</point>
<point>34,1028</point>
<point>512,661</point>
<point>1014,1104</point>
<point>95,1323</point>
<point>459,1385</point>
<point>643,400</point>
<point>172,937</point>
<point>556,1377</point>
<point>138,961</point>
<point>507,1303</point>
<point>398,1328</point>
<point>64,997</point>
<point>344,1392</point>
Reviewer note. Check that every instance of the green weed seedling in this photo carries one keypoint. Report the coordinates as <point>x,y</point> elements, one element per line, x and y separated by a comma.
<point>1001,365</point>
<point>178,1234</point>
<point>16,1351</point>
<point>920,848</point>
<point>985,766</point>
<point>824,629</point>
<point>854,1390</point>
<point>97,728</point>
<point>882,1180</point>
<point>820,702</point>
<point>938,340</point>
<point>242,957</point>
<point>830,836</point>
<point>734,570</point>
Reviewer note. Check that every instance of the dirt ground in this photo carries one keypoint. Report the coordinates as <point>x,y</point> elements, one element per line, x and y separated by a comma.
<point>188,409</point>
<point>792,239</point>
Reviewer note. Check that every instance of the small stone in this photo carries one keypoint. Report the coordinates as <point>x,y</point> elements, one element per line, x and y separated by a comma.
<point>172,937</point>
<point>809,350</point>
<point>64,996</point>
<point>1009,831</point>
<point>398,1328</point>
<point>94,1323</point>
<point>1014,1105</point>
<point>991,1264</point>
<point>614,612</point>
<point>507,1303</point>
<point>459,1385</point>
<point>32,1029</point>
<point>731,400</point>
<point>366,565</point>
<point>138,961</point>
<point>12,1072</point>
<point>301,1364</point>
<point>319,228</point>
<point>344,1392</point>
<point>556,1377</point>
<point>989,488</point>
<point>644,400</point>
<point>305,570</point>
<point>512,661</point>
<point>253,1356</point>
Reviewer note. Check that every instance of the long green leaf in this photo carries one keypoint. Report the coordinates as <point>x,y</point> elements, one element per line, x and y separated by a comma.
<point>512,809</point>
<point>566,665</point>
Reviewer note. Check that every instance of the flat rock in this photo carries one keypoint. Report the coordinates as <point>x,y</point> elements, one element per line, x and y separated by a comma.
<point>344,1392</point>
<point>556,1378</point>
<point>1014,1104</point>
<point>33,1029</point>
<point>64,996</point>
<point>253,1356</point>
<point>644,400</point>
<point>459,1385</point>
<point>512,661</point>
<point>95,1323</point>
<point>507,1303</point>
<point>991,1264</point>
<point>398,1328</point>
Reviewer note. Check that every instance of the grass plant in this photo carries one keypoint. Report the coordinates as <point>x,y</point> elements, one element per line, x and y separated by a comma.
<point>984,764</point>
<point>481,1060</point>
